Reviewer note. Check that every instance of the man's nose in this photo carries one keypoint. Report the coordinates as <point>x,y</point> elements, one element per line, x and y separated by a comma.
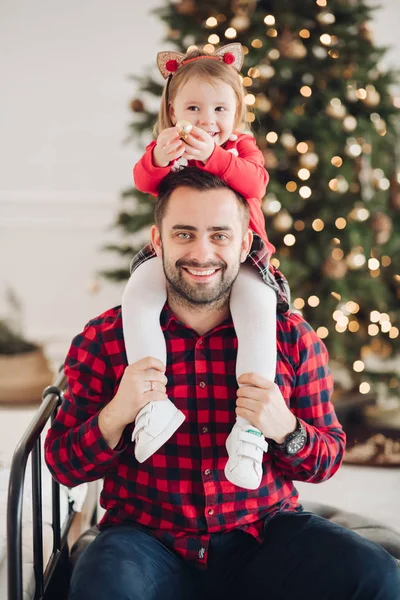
<point>202,251</point>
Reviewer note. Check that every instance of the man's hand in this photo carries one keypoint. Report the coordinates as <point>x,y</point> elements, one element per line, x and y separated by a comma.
<point>262,404</point>
<point>169,147</point>
<point>199,145</point>
<point>142,382</point>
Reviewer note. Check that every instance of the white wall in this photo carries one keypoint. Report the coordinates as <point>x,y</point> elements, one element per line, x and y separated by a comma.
<point>64,113</point>
<point>64,96</point>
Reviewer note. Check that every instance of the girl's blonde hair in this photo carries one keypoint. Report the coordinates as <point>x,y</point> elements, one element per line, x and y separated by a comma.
<point>209,70</point>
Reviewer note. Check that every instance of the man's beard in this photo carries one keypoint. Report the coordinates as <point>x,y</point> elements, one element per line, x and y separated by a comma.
<point>200,295</point>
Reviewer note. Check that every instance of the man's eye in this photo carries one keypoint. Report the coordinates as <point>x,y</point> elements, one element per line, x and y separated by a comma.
<point>183,236</point>
<point>221,237</point>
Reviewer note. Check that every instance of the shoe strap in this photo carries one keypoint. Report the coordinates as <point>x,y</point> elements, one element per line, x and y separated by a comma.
<point>142,420</point>
<point>252,445</point>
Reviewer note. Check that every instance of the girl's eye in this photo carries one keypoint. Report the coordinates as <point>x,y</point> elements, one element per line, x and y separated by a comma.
<point>193,108</point>
<point>220,108</point>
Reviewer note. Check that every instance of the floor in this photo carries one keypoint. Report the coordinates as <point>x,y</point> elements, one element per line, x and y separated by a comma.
<point>369,491</point>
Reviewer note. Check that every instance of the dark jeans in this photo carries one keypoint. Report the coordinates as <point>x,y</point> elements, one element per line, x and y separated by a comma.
<point>302,556</point>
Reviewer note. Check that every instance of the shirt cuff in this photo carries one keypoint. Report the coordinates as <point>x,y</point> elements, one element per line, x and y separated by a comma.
<point>94,447</point>
<point>303,454</point>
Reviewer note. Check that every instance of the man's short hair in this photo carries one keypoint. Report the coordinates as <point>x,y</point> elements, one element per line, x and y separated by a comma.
<point>197,179</point>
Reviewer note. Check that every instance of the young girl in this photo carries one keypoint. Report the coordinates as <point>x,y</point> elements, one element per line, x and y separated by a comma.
<point>202,106</point>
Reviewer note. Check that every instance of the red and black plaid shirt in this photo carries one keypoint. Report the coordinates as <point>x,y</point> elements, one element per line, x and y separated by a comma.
<point>181,493</point>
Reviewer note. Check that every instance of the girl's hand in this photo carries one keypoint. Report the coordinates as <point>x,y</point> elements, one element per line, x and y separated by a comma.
<point>199,145</point>
<point>169,147</point>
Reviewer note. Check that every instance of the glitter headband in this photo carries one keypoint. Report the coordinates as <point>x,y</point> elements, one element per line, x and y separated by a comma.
<point>169,62</point>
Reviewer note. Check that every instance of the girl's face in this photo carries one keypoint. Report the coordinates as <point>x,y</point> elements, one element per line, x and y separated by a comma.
<point>208,106</point>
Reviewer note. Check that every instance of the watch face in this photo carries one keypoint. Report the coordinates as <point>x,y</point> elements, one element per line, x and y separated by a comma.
<point>296,444</point>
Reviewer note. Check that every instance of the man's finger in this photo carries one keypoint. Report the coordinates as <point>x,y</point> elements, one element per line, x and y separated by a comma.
<point>255,380</point>
<point>149,362</point>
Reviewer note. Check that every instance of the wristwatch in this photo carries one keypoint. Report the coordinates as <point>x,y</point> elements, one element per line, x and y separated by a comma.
<point>294,442</point>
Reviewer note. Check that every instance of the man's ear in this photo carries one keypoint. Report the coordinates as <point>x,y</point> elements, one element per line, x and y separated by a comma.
<point>156,240</point>
<point>246,245</point>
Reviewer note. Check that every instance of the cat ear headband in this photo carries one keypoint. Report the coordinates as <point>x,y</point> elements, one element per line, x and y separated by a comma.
<point>169,62</point>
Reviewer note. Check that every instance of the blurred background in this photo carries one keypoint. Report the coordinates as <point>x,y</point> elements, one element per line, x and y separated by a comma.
<point>79,95</point>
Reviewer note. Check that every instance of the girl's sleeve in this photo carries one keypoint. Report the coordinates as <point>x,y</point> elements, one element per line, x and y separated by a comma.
<point>245,173</point>
<point>146,175</point>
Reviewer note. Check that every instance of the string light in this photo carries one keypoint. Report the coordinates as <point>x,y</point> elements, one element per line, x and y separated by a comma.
<point>250,99</point>
<point>304,174</point>
<point>272,137</point>
<point>306,91</point>
<point>289,239</point>
<point>373,330</point>
<point>247,81</point>
<point>337,254</point>
<point>269,20</point>
<point>302,147</point>
<point>313,301</point>
<point>213,38</point>
<point>361,93</point>
<point>272,32</point>
<point>322,332</point>
<point>321,2</point>
<point>305,191</point>
<point>393,333</point>
<point>318,225</point>
<point>230,33</point>
<point>304,33</point>
<point>386,326</point>
<point>373,264</point>
<point>364,387</point>
<point>386,261</point>
<point>352,307</point>
<point>274,54</point>
<point>291,186</point>
<point>209,48</point>
<point>258,43</point>
<point>358,366</point>
<point>354,326</point>
<point>336,296</point>
<point>340,223</point>
<point>349,123</point>
<point>326,40</point>
<point>211,22</point>
<point>254,72</point>
<point>337,161</point>
<point>375,316</point>
<point>299,303</point>
<point>275,262</point>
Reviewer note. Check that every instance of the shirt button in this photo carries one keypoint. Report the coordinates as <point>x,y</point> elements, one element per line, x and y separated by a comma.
<point>207,472</point>
<point>205,429</point>
<point>202,384</point>
<point>210,511</point>
<point>200,342</point>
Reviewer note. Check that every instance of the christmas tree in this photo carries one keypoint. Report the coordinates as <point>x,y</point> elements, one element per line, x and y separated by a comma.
<point>320,107</point>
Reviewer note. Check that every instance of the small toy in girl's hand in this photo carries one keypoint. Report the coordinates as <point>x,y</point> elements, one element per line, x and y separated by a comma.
<point>184,128</point>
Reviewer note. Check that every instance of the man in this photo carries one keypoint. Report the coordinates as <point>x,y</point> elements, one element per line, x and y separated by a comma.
<point>174,527</point>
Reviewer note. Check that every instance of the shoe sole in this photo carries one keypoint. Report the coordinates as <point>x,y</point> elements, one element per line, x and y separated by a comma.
<point>152,447</point>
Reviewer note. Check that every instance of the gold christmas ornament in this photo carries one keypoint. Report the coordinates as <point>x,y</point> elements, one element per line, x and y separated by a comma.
<point>137,105</point>
<point>184,128</point>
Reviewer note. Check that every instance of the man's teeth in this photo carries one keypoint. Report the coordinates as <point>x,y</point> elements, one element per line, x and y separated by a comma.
<point>204,273</point>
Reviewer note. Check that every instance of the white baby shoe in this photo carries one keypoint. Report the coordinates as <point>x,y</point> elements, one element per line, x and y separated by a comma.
<point>154,425</point>
<point>245,445</point>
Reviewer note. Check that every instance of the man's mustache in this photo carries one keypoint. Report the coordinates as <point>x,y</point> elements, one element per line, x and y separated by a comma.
<point>194,264</point>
